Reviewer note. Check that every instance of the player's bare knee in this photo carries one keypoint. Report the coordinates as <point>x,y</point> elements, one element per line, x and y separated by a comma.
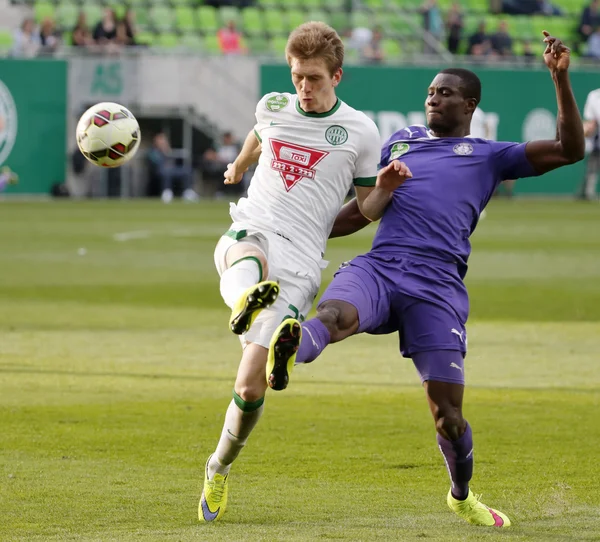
<point>242,250</point>
<point>340,319</point>
<point>251,392</point>
<point>450,423</point>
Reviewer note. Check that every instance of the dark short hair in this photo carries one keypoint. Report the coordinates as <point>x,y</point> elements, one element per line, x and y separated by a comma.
<point>470,85</point>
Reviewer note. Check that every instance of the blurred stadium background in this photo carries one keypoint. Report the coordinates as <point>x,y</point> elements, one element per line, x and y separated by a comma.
<point>194,70</point>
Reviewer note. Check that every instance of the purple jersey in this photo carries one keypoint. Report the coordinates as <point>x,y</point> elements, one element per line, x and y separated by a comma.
<point>434,213</point>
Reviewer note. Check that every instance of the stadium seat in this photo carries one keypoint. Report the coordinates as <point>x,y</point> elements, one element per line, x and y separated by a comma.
<point>93,13</point>
<point>374,5</point>
<point>411,5</point>
<point>258,46</point>
<point>295,18</point>
<point>406,24</point>
<point>42,10</point>
<point>391,49</point>
<point>145,38</point>
<point>317,15</point>
<point>185,19</point>
<point>252,21</point>
<point>311,4</point>
<point>66,15</point>
<point>192,41</point>
<point>339,20</point>
<point>211,44</point>
<point>162,18</point>
<point>6,40</point>
<point>207,19</point>
<point>229,13</point>
<point>277,46</point>
<point>168,40</point>
<point>361,19</point>
<point>269,3</point>
<point>274,21</point>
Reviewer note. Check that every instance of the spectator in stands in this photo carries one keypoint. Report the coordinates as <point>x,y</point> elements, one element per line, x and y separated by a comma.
<point>593,44</point>
<point>432,23</point>
<point>479,42</point>
<point>81,35</point>
<point>49,38</point>
<point>372,53</point>
<point>230,40</point>
<point>544,7</point>
<point>454,26</point>
<point>501,40</point>
<point>163,165</point>
<point>26,43</point>
<point>590,19</point>
<point>528,52</point>
<point>129,21</point>
<point>215,163</point>
<point>106,29</point>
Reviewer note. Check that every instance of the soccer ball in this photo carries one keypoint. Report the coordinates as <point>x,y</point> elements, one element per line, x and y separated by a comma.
<point>108,135</point>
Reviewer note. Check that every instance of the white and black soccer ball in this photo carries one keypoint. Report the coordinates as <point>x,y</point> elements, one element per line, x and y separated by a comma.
<point>108,135</point>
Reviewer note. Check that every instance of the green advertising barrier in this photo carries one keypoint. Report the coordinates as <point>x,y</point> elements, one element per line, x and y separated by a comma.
<point>516,106</point>
<point>33,116</point>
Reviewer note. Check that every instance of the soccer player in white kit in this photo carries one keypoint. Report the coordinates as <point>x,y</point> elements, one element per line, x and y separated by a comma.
<point>311,149</point>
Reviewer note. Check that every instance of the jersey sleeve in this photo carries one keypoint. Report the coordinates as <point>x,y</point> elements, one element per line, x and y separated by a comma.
<point>269,105</point>
<point>365,172</point>
<point>510,161</point>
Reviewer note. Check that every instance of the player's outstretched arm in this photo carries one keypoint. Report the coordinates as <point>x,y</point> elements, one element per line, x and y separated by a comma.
<point>249,155</point>
<point>373,201</point>
<point>569,146</point>
<point>349,220</point>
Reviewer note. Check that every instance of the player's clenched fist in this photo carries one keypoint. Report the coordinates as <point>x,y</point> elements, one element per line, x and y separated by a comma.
<point>233,175</point>
<point>393,175</point>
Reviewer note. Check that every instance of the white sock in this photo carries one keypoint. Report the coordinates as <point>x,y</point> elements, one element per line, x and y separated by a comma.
<point>236,430</point>
<point>237,279</point>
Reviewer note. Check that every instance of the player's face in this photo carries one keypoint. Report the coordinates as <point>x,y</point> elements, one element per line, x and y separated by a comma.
<point>314,84</point>
<point>445,107</point>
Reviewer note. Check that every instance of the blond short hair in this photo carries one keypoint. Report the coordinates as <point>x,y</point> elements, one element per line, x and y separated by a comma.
<point>316,40</point>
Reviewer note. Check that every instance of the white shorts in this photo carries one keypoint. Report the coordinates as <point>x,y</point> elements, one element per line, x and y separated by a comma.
<point>298,275</point>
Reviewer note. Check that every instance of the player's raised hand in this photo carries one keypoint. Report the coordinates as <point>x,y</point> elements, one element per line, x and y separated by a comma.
<point>556,56</point>
<point>233,175</point>
<point>393,175</point>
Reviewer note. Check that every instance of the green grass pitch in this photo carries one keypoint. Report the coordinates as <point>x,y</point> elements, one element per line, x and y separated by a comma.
<point>116,367</point>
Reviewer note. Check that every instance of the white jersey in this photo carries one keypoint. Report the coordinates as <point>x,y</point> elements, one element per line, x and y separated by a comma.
<point>591,111</point>
<point>308,164</point>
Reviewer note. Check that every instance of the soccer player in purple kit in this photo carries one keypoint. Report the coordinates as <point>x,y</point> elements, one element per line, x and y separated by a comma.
<point>412,279</point>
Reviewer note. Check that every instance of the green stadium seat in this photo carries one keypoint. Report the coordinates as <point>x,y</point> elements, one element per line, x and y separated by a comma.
<point>162,18</point>
<point>477,6</point>
<point>192,41</point>
<point>317,15</point>
<point>93,13</point>
<point>6,40</point>
<point>411,5</point>
<point>374,5</point>
<point>391,49</point>
<point>145,38</point>
<point>168,40</point>
<point>207,19</point>
<point>211,44</point>
<point>277,46</point>
<point>361,19</point>
<point>185,18</point>
<point>406,24</point>
<point>142,19</point>
<point>252,21</point>
<point>229,13</point>
<point>311,4</point>
<point>274,21</point>
<point>339,20</point>
<point>269,3</point>
<point>66,15</point>
<point>295,18</point>
<point>258,46</point>
<point>351,55</point>
<point>183,3</point>
<point>43,10</point>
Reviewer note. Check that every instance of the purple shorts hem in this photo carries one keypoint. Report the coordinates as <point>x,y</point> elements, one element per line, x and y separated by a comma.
<point>441,366</point>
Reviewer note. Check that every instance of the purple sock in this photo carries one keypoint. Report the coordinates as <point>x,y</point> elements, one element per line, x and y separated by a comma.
<point>458,455</point>
<point>315,337</point>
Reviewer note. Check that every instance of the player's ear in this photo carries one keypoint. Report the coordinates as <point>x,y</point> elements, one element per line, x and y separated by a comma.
<point>337,77</point>
<point>470,105</point>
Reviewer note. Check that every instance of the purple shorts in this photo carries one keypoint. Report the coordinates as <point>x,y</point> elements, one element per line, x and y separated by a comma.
<point>425,301</point>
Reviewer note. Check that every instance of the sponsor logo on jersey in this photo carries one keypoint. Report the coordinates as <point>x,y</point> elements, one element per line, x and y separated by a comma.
<point>277,103</point>
<point>336,135</point>
<point>398,149</point>
<point>294,162</point>
<point>463,149</point>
